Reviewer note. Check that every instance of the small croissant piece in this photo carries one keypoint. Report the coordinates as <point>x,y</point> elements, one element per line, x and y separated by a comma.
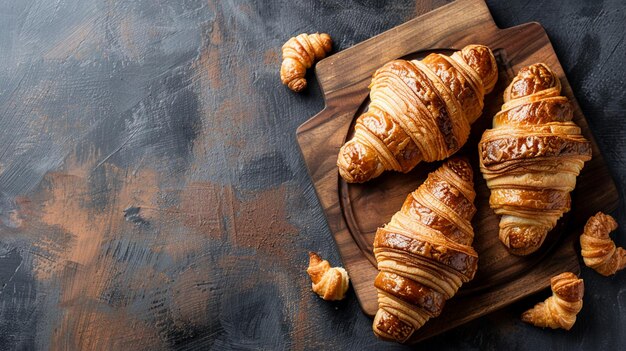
<point>598,250</point>
<point>560,309</point>
<point>300,53</point>
<point>330,283</point>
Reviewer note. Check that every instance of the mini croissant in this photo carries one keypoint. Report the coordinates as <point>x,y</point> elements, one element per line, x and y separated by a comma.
<point>330,283</point>
<point>560,309</point>
<point>300,53</point>
<point>598,250</point>
<point>419,111</point>
<point>531,157</point>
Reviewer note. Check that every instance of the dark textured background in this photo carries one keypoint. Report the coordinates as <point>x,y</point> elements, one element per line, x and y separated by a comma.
<point>152,195</point>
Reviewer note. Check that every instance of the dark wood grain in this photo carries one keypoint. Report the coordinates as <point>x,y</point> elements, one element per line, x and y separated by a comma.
<point>354,211</point>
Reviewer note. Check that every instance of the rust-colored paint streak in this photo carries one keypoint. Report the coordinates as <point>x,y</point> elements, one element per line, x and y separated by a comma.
<point>208,65</point>
<point>68,207</point>
<point>198,218</point>
<point>65,209</point>
<point>83,271</point>
<point>301,323</point>
<point>261,223</point>
<point>272,57</point>
<point>210,60</point>
<point>201,207</point>
<point>103,329</point>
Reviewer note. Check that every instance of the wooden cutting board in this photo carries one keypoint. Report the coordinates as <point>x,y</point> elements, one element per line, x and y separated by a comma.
<point>354,211</point>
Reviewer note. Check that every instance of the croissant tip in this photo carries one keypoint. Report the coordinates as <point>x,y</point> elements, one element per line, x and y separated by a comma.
<point>314,257</point>
<point>390,327</point>
<point>601,216</point>
<point>568,286</point>
<point>358,162</point>
<point>328,41</point>
<point>460,166</point>
<point>527,316</point>
<point>564,275</point>
<point>522,240</point>
<point>297,85</point>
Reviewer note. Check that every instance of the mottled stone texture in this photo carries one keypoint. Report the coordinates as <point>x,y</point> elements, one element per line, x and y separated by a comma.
<point>152,195</point>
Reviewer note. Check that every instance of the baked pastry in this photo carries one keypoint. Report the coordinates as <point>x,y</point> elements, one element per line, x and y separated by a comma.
<point>424,253</point>
<point>598,250</point>
<point>300,53</point>
<point>330,283</point>
<point>419,111</point>
<point>531,157</point>
<point>560,309</point>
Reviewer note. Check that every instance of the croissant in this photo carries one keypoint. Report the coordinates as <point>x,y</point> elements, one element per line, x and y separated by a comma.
<point>300,53</point>
<point>560,309</point>
<point>419,111</point>
<point>424,253</point>
<point>531,157</point>
<point>598,250</point>
<point>330,283</point>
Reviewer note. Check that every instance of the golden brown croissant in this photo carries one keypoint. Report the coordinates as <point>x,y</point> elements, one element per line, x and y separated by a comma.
<point>598,250</point>
<point>531,157</point>
<point>424,253</point>
<point>300,53</point>
<point>330,283</point>
<point>560,309</point>
<point>419,111</point>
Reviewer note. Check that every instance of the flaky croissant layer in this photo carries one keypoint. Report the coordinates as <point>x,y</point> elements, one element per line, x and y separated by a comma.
<point>419,111</point>
<point>531,158</point>
<point>560,309</point>
<point>330,283</point>
<point>424,253</point>
<point>299,54</point>
<point>598,250</point>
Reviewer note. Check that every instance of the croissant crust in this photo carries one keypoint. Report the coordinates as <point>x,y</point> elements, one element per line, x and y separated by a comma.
<point>419,111</point>
<point>598,250</point>
<point>531,157</point>
<point>330,283</point>
<point>424,253</point>
<point>560,309</point>
<point>299,54</point>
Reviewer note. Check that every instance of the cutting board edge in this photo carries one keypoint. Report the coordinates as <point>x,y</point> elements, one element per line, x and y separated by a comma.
<point>329,110</point>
